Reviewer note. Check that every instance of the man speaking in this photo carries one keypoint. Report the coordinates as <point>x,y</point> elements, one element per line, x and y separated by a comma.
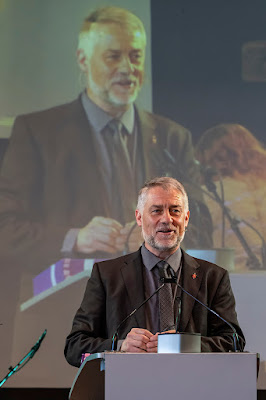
<point>118,286</point>
<point>67,169</point>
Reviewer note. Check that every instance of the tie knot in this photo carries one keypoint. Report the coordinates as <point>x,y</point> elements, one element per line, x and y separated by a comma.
<point>163,266</point>
<point>115,125</point>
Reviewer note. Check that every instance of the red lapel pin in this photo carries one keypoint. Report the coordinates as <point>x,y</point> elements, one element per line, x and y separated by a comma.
<point>194,276</point>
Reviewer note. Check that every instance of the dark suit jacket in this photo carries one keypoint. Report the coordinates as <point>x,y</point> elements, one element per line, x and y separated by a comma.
<point>50,181</point>
<point>116,288</point>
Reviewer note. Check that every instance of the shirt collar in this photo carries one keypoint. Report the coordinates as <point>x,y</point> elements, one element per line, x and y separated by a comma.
<point>98,118</point>
<point>150,260</point>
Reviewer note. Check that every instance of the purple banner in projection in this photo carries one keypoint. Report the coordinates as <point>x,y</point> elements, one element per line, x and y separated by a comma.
<point>60,271</point>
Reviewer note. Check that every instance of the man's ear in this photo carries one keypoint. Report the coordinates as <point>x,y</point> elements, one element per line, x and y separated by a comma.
<point>82,60</point>
<point>187,218</point>
<point>138,218</point>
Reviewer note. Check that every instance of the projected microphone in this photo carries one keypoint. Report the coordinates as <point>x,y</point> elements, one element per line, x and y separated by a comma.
<point>235,335</point>
<point>115,335</point>
<point>207,171</point>
<point>208,174</point>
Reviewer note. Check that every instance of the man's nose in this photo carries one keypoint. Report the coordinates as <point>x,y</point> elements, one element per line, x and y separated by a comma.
<point>126,65</point>
<point>166,217</point>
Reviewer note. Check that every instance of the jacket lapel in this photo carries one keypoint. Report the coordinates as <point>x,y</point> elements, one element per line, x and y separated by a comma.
<point>133,278</point>
<point>192,277</point>
<point>152,146</point>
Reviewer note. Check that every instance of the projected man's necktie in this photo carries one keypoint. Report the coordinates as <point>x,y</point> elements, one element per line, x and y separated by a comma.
<point>165,300</point>
<point>123,177</point>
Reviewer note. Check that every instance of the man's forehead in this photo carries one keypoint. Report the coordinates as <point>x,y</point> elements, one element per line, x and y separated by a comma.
<point>108,31</point>
<point>161,196</point>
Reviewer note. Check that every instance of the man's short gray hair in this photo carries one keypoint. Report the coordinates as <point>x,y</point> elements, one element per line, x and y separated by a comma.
<point>117,15</point>
<point>164,182</point>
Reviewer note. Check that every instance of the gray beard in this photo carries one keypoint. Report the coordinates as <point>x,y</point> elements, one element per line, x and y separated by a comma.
<point>109,97</point>
<point>159,246</point>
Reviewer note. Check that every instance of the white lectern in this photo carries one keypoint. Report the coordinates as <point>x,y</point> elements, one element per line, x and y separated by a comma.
<point>184,376</point>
